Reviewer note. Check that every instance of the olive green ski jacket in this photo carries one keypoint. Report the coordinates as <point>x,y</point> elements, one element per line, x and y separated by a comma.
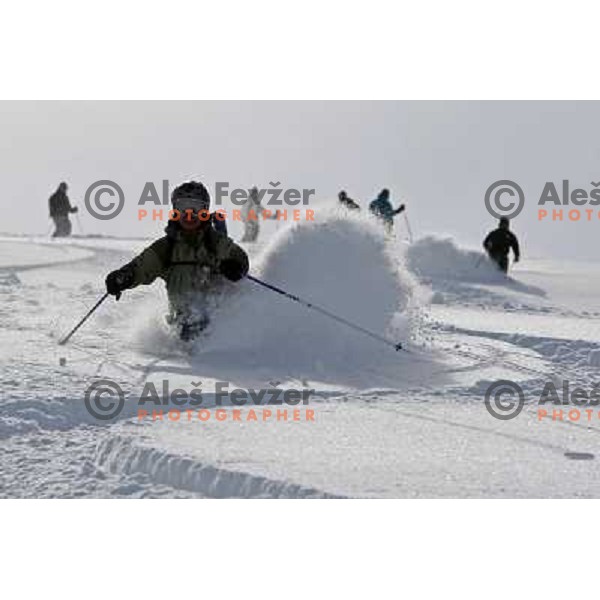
<point>188,262</point>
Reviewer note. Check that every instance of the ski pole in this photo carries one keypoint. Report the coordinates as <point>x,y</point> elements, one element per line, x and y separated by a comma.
<point>79,223</point>
<point>307,304</point>
<point>408,229</point>
<point>87,316</point>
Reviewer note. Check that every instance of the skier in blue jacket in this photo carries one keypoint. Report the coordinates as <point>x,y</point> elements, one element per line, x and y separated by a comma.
<point>382,208</point>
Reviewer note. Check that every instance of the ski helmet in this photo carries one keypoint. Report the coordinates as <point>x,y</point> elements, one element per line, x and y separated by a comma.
<point>191,194</point>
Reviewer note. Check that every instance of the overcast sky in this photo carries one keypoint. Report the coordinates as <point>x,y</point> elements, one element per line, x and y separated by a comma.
<point>439,157</point>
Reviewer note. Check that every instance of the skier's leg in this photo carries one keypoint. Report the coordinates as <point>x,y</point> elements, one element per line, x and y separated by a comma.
<point>501,261</point>
<point>62,226</point>
<point>190,330</point>
<point>252,231</point>
<point>503,264</point>
<point>189,321</point>
<point>246,236</point>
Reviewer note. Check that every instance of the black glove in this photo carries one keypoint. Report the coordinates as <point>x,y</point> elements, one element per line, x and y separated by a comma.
<point>74,209</point>
<point>232,269</point>
<point>118,281</point>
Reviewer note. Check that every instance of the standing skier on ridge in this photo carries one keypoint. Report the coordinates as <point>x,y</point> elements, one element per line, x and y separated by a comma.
<point>498,243</point>
<point>382,208</point>
<point>60,208</point>
<point>193,259</point>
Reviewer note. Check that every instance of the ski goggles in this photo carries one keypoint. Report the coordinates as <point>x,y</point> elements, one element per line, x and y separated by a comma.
<point>190,204</point>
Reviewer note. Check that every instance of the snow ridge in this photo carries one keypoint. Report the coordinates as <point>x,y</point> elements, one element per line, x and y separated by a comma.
<point>119,455</point>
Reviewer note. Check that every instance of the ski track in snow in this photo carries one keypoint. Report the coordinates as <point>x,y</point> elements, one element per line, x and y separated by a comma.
<point>400,425</point>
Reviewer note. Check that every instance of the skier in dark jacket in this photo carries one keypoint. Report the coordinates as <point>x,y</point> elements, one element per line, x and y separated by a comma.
<point>382,208</point>
<point>347,202</point>
<point>60,207</point>
<point>498,243</point>
<point>193,260</point>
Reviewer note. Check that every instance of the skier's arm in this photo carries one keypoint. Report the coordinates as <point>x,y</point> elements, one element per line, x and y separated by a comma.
<point>399,210</point>
<point>142,270</point>
<point>67,205</point>
<point>233,260</point>
<point>514,244</point>
<point>151,263</point>
<point>487,243</point>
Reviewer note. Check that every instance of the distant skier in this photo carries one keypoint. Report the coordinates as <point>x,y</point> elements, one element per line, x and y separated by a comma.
<point>60,208</point>
<point>193,259</point>
<point>382,208</point>
<point>498,243</point>
<point>251,210</point>
<point>347,202</point>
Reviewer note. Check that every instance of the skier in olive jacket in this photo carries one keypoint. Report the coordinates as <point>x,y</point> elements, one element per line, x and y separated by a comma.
<point>193,259</point>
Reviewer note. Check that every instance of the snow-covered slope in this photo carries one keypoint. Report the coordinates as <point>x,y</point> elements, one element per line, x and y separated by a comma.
<point>386,423</point>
